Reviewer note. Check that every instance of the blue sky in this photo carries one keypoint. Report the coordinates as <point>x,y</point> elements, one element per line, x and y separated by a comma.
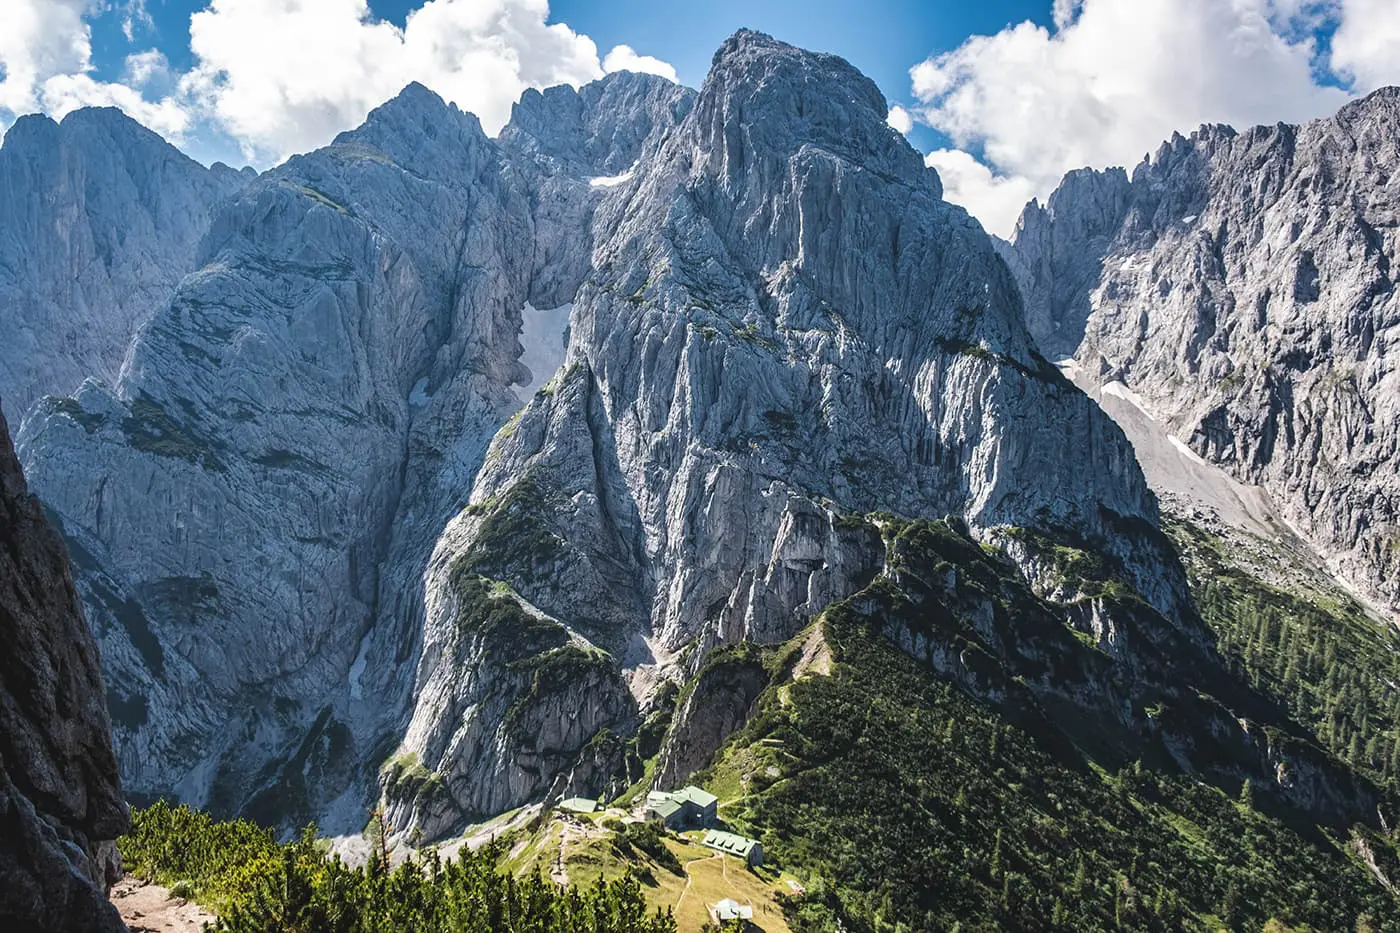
<point>1002,96</point>
<point>883,38</point>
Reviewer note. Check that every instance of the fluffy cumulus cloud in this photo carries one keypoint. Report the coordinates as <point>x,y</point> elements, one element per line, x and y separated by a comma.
<point>283,76</point>
<point>40,39</point>
<point>625,58</point>
<point>996,200</point>
<point>900,119</point>
<point>1366,46</point>
<point>46,61</point>
<point>1113,78</point>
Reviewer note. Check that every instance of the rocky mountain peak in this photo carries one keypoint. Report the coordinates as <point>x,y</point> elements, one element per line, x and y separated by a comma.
<point>101,219</point>
<point>1241,286</point>
<point>30,131</point>
<point>420,131</point>
<point>597,130</point>
<point>765,99</point>
<point>783,326</point>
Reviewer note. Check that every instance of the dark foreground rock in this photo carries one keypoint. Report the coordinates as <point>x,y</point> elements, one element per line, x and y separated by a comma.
<point>60,800</point>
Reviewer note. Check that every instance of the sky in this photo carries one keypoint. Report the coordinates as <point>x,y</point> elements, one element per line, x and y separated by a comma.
<point>1001,96</point>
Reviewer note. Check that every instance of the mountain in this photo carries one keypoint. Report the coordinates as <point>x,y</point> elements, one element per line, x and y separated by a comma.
<point>252,504</point>
<point>60,798</point>
<point>1236,290</point>
<point>787,340</point>
<point>99,221</point>
<point>679,435</point>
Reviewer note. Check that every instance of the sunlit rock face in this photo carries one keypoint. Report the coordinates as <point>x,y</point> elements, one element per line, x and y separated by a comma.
<point>99,220</point>
<point>1240,284</point>
<point>328,553</point>
<point>251,505</point>
<point>783,324</point>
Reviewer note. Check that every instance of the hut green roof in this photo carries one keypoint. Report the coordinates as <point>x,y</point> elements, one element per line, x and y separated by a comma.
<point>664,808</point>
<point>730,843</point>
<point>701,798</point>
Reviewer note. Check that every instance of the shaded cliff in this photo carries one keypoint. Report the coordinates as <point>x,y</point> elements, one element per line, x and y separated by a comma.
<point>60,801</point>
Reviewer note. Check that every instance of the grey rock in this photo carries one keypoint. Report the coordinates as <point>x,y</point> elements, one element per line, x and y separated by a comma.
<point>721,702</point>
<point>252,504</point>
<point>60,798</point>
<point>99,220</point>
<point>1241,284</point>
<point>784,325</point>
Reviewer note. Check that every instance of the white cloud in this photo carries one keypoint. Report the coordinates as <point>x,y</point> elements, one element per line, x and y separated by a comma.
<point>284,76</point>
<point>995,200</point>
<point>900,119</point>
<point>625,58</point>
<point>40,39</point>
<point>148,68</point>
<point>63,94</point>
<point>46,56</point>
<point>1366,46</point>
<point>1111,81</point>
<point>135,16</point>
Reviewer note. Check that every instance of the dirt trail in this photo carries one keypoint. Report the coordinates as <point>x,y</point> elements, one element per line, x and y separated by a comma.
<point>149,908</point>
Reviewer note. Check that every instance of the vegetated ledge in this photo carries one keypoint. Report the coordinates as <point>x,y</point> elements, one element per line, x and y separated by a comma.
<point>949,784</point>
<point>151,429</point>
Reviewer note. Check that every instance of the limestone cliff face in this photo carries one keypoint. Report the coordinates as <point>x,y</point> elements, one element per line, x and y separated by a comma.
<point>783,324</point>
<point>251,505</point>
<point>100,219</point>
<point>328,552</point>
<point>1241,284</point>
<point>60,800</point>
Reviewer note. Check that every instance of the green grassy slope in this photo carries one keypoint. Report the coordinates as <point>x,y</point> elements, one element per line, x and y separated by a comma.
<point>918,800</point>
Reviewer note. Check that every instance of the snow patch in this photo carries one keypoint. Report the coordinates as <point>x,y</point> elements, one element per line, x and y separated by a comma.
<point>544,335</point>
<point>1186,450</point>
<point>612,181</point>
<point>358,668</point>
<point>419,396</point>
<point>1189,219</point>
<point>1134,263</point>
<point>1119,390</point>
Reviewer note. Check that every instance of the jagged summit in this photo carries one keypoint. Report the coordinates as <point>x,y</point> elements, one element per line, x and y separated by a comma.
<point>321,387</point>
<point>1383,101</point>
<point>765,96</point>
<point>600,129</point>
<point>783,326</point>
<point>100,220</point>
<point>1240,284</point>
<point>419,130</point>
<point>29,130</point>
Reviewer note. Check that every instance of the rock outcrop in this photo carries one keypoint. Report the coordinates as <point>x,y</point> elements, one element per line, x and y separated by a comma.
<point>99,221</point>
<point>252,504</point>
<point>61,805</point>
<point>1239,288</point>
<point>784,325</point>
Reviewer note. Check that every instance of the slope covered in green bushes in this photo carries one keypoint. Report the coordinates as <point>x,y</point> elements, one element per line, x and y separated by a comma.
<point>257,885</point>
<point>912,802</point>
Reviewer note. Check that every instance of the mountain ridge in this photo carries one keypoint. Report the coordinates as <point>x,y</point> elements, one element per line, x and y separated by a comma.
<point>335,558</point>
<point>1239,283</point>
